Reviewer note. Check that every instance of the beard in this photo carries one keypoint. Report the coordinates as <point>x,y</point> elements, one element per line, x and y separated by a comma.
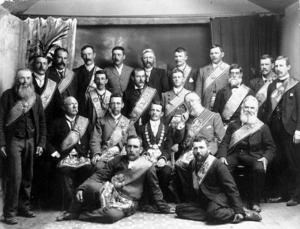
<point>25,92</point>
<point>249,118</point>
<point>234,82</point>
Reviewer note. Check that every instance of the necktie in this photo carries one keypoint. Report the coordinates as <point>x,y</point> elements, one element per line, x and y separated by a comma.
<point>61,74</point>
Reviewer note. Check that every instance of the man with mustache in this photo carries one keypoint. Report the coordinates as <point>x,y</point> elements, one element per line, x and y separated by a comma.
<point>229,99</point>
<point>118,74</point>
<point>249,142</point>
<point>22,135</point>
<point>68,142</point>
<point>283,117</point>
<point>85,75</point>
<point>212,77</point>
<point>58,72</point>
<point>97,103</point>
<point>260,84</point>
<point>113,193</point>
<point>213,195</point>
<point>138,99</point>
<point>201,122</point>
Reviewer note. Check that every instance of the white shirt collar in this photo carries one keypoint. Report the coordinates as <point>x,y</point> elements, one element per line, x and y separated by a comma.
<point>135,87</point>
<point>101,92</point>
<point>89,67</point>
<point>39,77</point>
<point>177,90</point>
<point>284,78</point>
<point>148,69</point>
<point>116,116</point>
<point>216,65</point>
<point>155,123</point>
<point>182,68</point>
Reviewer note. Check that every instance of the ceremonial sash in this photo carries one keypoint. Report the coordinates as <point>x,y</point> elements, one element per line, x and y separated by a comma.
<point>175,102</point>
<point>244,131</point>
<point>100,111</point>
<point>218,72</point>
<point>118,132</point>
<point>48,93</point>
<point>277,94</point>
<point>142,104</point>
<point>261,95</point>
<point>234,101</point>
<point>201,174</point>
<point>75,134</point>
<point>65,82</point>
<point>21,107</point>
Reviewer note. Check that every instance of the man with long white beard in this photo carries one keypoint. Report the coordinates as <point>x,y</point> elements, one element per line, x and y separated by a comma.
<point>22,134</point>
<point>248,142</point>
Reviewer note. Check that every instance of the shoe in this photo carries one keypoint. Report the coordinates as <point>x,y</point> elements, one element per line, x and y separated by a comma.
<point>11,220</point>
<point>252,216</point>
<point>67,216</point>
<point>277,199</point>
<point>256,207</point>
<point>27,214</point>
<point>292,202</point>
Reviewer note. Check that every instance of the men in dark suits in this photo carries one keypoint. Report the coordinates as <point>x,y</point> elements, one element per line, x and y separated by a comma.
<point>201,122</point>
<point>85,75</point>
<point>190,74</point>
<point>113,193</point>
<point>138,99</point>
<point>22,135</point>
<point>249,142</point>
<point>47,89</point>
<point>229,99</point>
<point>260,84</point>
<point>98,98</point>
<point>65,79</point>
<point>283,112</point>
<point>213,195</point>
<point>68,141</point>
<point>212,77</point>
<point>173,100</point>
<point>118,74</point>
<point>110,133</point>
<point>157,143</point>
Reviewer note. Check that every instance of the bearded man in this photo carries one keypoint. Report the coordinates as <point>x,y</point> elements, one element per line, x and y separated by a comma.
<point>22,134</point>
<point>249,142</point>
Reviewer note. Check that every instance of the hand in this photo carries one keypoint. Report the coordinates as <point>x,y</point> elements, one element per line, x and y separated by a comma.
<point>296,138</point>
<point>96,158</point>
<point>175,148</point>
<point>238,218</point>
<point>79,196</point>
<point>172,210</point>
<point>55,154</point>
<point>161,163</point>
<point>39,151</point>
<point>265,162</point>
<point>3,152</point>
<point>223,159</point>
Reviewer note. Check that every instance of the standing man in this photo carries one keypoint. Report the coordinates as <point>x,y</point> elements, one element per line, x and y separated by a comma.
<point>190,74</point>
<point>229,99</point>
<point>212,77</point>
<point>22,135</point>
<point>283,112</point>
<point>260,84</point>
<point>65,79</point>
<point>118,74</point>
<point>85,75</point>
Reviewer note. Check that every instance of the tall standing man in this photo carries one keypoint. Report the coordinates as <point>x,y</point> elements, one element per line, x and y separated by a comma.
<point>22,135</point>
<point>283,112</point>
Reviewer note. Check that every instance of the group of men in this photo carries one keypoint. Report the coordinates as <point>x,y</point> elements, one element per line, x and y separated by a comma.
<point>118,134</point>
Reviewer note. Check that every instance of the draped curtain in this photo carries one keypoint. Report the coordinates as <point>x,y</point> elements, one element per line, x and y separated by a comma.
<point>41,33</point>
<point>245,39</point>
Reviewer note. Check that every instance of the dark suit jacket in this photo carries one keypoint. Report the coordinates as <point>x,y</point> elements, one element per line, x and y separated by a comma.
<point>260,144</point>
<point>102,131</point>
<point>290,106</point>
<point>71,90</point>
<point>218,186</point>
<point>118,83</point>
<point>190,81</point>
<point>8,100</point>
<point>58,132</point>
<point>119,164</point>
<point>221,99</point>
<point>166,145</point>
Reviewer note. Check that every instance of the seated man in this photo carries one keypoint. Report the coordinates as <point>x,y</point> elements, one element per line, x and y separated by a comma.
<point>250,143</point>
<point>213,195</point>
<point>68,140</point>
<point>110,133</point>
<point>157,144</point>
<point>112,193</point>
<point>98,98</point>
